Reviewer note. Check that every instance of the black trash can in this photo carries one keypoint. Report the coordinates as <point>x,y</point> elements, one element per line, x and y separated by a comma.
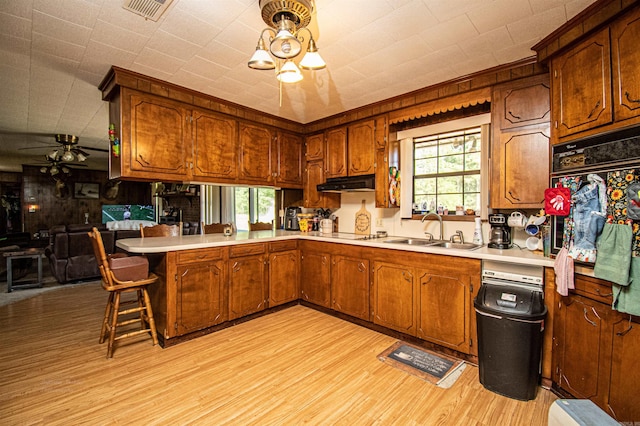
<point>510,322</point>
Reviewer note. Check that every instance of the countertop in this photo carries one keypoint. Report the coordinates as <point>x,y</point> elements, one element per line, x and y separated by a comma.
<point>190,242</point>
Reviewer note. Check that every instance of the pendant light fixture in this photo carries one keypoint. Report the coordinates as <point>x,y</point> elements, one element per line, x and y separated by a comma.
<point>286,19</point>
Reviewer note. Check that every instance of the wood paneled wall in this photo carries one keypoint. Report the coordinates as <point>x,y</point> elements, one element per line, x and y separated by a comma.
<point>38,190</point>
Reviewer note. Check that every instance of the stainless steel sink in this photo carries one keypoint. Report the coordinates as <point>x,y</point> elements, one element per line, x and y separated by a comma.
<point>410,241</point>
<point>461,246</point>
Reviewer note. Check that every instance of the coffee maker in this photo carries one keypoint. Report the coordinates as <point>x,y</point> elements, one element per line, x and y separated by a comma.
<point>291,218</point>
<point>500,234</point>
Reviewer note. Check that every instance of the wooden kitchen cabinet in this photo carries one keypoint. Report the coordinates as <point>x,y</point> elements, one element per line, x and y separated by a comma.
<point>201,291</point>
<point>315,277</point>
<point>284,277</point>
<point>361,148</point>
<point>247,280</point>
<point>314,147</point>
<point>313,176</point>
<point>288,157</point>
<point>395,300</point>
<point>350,286</point>
<point>446,314</point>
<point>156,138</point>
<point>624,398</point>
<point>255,154</point>
<point>215,147</point>
<point>520,143</point>
<point>335,153</point>
<point>625,56</point>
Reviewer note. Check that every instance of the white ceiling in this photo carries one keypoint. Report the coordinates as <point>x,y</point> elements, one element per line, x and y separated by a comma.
<point>55,53</point>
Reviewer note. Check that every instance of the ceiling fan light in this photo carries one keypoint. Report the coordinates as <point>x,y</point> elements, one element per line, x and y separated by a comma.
<point>53,155</point>
<point>285,45</point>
<point>312,60</point>
<point>43,169</point>
<point>65,170</point>
<point>54,170</point>
<point>289,73</point>
<point>261,60</point>
<point>81,157</point>
<point>68,156</point>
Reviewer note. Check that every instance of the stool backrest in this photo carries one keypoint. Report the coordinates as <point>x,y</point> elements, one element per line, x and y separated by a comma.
<point>101,256</point>
<point>213,228</point>
<point>260,226</point>
<point>162,230</point>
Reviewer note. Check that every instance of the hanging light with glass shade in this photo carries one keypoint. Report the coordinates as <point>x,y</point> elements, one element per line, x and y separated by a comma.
<point>287,19</point>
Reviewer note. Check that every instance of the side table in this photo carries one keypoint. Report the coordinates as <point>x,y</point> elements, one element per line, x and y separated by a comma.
<point>29,253</point>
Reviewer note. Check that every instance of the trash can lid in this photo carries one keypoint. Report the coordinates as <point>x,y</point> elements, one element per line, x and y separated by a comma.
<point>515,301</point>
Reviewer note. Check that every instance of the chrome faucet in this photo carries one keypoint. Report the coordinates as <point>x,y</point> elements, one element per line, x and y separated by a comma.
<point>439,219</point>
<point>458,235</point>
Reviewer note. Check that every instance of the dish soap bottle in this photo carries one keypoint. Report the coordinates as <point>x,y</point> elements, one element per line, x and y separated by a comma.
<point>477,233</point>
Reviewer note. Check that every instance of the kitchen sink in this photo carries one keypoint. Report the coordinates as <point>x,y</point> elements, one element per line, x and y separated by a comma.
<point>461,246</point>
<point>411,241</point>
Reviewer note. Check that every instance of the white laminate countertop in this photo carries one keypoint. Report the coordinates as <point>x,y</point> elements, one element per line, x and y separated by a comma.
<point>190,242</point>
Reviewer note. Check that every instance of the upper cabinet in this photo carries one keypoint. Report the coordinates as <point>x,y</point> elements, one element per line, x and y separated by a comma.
<point>314,147</point>
<point>520,143</point>
<point>287,156</point>
<point>255,154</point>
<point>215,147</point>
<point>335,153</point>
<point>595,84</point>
<point>361,148</point>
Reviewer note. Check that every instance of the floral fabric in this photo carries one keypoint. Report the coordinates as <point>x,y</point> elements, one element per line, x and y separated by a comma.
<point>617,201</point>
<point>573,183</point>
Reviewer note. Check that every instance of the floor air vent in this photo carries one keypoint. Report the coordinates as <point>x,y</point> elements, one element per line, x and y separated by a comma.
<point>149,9</point>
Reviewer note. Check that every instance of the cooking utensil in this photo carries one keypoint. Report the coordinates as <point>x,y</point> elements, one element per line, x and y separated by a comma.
<point>363,220</point>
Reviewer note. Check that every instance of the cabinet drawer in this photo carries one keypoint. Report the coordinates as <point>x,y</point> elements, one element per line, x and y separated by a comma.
<point>283,245</point>
<point>246,250</point>
<point>594,288</point>
<point>189,256</point>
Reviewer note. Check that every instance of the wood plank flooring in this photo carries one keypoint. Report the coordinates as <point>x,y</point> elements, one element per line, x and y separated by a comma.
<point>296,366</point>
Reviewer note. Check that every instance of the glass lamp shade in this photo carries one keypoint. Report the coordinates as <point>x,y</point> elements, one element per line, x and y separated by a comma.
<point>261,60</point>
<point>285,45</point>
<point>81,157</point>
<point>43,170</point>
<point>53,154</point>
<point>53,170</point>
<point>68,156</point>
<point>289,73</point>
<point>312,61</point>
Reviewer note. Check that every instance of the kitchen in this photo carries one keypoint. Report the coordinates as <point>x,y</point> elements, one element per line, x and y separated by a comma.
<point>393,224</point>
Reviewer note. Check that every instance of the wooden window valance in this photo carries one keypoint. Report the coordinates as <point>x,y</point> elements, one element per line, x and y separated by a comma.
<point>438,106</point>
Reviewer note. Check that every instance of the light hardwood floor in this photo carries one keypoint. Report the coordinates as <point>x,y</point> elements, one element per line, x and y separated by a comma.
<point>296,366</point>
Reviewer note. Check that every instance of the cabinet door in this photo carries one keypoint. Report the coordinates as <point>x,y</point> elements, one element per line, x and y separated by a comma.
<point>395,297</point>
<point>314,147</point>
<point>247,285</point>
<point>624,398</point>
<point>520,168</point>
<point>283,277</point>
<point>215,147</point>
<point>626,63</point>
<point>582,351</point>
<point>581,86</point>
<point>315,278</point>
<point>255,154</point>
<point>313,176</point>
<point>523,103</point>
<point>200,300</point>
<point>288,156</point>
<point>381,132</point>
<point>445,307</point>
<point>350,286</point>
<point>154,140</point>
<point>335,153</point>
<point>361,148</point>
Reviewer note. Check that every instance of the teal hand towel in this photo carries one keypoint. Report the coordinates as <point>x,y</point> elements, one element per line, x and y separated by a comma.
<point>627,298</point>
<point>614,253</point>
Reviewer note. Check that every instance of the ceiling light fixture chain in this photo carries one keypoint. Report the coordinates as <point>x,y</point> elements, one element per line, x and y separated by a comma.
<point>286,19</point>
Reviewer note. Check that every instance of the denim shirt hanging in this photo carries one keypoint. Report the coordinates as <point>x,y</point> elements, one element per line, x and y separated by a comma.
<point>589,215</point>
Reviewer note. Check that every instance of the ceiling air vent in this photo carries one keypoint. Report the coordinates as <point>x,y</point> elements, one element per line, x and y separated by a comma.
<point>149,9</point>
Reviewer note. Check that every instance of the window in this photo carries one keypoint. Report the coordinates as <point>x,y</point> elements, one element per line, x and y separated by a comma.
<point>254,205</point>
<point>446,170</point>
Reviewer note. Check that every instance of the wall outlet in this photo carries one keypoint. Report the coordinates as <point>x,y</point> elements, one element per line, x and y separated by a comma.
<point>378,221</point>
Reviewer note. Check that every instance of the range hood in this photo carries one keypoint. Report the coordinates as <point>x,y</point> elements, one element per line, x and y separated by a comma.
<point>349,184</point>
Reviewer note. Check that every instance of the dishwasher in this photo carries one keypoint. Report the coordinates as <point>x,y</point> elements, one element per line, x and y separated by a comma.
<point>510,313</point>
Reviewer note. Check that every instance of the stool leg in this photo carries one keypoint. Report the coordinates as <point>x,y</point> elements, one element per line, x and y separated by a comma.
<point>107,317</point>
<point>114,323</point>
<point>152,322</point>
<point>142,306</point>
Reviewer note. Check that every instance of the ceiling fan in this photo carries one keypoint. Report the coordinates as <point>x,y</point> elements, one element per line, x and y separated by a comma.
<point>57,166</point>
<point>68,149</point>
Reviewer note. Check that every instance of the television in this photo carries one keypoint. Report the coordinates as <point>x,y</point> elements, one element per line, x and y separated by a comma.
<point>112,212</point>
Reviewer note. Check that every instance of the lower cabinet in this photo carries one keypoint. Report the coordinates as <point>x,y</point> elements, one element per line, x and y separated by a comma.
<point>395,301</point>
<point>201,290</point>
<point>350,286</point>
<point>247,280</point>
<point>446,315</point>
<point>596,349</point>
<point>283,277</point>
<point>315,277</point>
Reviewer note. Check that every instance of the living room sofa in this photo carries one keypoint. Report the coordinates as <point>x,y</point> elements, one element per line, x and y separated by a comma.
<point>70,252</point>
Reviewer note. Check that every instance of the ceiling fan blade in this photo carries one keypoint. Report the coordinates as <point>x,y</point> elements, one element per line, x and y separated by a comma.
<point>88,148</point>
<point>39,147</point>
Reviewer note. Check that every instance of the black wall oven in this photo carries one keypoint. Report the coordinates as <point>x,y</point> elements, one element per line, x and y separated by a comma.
<point>601,155</point>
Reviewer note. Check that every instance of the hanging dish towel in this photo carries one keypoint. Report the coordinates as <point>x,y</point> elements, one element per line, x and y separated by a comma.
<point>563,267</point>
<point>627,298</point>
<point>614,254</point>
<point>618,183</point>
<point>589,216</point>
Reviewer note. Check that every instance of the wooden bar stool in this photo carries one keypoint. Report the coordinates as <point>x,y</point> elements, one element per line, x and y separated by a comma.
<point>214,228</point>
<point>260,226</point>
<point>162,230</point>
<point>131,275</point>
